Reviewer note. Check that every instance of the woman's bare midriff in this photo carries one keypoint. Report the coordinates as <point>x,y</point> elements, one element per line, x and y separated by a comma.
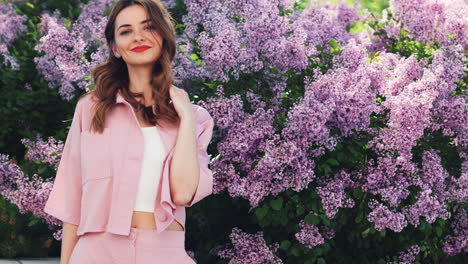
<point>145,220</point>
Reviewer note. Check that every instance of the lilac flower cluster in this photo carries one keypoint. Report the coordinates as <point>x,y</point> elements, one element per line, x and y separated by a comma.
<point>243,36</point>
<point>458,242</point>
<point>311,236</point>
<point>63,63</point>
<point>390,178</point>
<point>225,111</point>
<point>458,187</point>
<point>449,115</point>
<point>248,249</point>
<point>280,163</point>
<point>12,26</point>
<point>44,152</point>
<point>29,194</point>
<point>384,217</point>
<point>333,193</point>
<point>324,21</point>
<point>408,256</point>
<point>430,20</point>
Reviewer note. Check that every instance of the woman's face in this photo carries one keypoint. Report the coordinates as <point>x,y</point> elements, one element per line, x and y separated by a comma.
<point>130,33</point>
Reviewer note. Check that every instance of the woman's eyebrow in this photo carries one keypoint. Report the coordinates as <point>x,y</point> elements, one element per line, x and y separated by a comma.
<point>128,25</point>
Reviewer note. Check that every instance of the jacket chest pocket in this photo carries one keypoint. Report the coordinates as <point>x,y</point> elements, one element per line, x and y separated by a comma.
<point>95,155</point>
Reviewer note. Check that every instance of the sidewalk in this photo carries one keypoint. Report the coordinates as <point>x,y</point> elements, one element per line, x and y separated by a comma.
<point>31,261</point>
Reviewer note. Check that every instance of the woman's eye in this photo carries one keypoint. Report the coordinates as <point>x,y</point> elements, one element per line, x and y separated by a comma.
<point>126,31</point>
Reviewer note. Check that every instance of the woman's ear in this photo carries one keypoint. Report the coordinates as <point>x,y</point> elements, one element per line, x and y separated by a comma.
<point>114,50</point>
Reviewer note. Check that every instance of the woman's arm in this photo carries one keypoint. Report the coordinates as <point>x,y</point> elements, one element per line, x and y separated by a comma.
<point>69,239</point>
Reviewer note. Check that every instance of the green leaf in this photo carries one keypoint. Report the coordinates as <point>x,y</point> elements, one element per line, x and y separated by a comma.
<point>382,233</point>
<point>300,210</point>
<point>333,162</point>
<point>296,250</point>
<point>325,220</point>
<point>273,69</point>
<point>359,217</point>
<point>261,212</point>
<point>326,168</point>
<point>357,193</point>
<point>194,56</point>
<point>438,231</point>
<point>312,219</point>
<point>277,204</point>
<point>365,233</point>
<point>285,244</point>
<point>321,261</point>
<point>333,43</point>
<point>33,221</point>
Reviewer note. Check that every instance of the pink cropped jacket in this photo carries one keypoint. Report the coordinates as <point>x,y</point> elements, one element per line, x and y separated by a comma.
<point>97,177</point>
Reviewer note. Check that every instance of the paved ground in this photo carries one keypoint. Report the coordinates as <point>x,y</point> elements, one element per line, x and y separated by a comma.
<point>31,261</point>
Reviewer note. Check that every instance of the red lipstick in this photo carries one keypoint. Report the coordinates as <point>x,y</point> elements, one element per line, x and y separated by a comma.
<point>140,48</point>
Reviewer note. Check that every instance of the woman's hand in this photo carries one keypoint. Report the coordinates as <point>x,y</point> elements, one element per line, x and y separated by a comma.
<point>181,101</point>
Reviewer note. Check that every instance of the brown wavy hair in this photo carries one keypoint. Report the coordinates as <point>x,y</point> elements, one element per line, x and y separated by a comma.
<point>112,75</point>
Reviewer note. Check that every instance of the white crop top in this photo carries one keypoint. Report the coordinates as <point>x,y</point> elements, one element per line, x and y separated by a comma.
<point>151,166</point>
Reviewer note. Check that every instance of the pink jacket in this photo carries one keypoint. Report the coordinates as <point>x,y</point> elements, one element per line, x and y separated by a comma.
<point>97,178</point>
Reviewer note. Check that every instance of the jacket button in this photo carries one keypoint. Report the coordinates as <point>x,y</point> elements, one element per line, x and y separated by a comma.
<point>161,216</point>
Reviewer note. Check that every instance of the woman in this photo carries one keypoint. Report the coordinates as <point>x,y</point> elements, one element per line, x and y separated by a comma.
<point>136,153</point>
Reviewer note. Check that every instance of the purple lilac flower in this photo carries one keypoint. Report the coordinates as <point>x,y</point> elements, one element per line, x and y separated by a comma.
<point>433,21</point>
<point>408,256</point>
<point>42,151</point>
<point>458,187</point>
<point>324,21</point>
<point>383,217</point>
<point>391,179</point>
<point>409,116</point>
<point>29,194</point>
<point>12,26</point>
<point>458,242</point>
<point>63,63</point>
<point>333,193</point>
<point>226,112</point>
<point>283,166</point>
<point>311,236</point>
<point>245,36</point>
<point>248,249</point>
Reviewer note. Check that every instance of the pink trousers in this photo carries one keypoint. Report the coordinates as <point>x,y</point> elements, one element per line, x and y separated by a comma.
<point>141,246</point>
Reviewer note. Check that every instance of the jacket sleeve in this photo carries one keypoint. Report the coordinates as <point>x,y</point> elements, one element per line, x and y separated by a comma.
<point>64,202</point>
<point>204,135</point>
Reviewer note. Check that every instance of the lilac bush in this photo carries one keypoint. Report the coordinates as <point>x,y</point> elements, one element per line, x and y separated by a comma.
<point>341,131</point>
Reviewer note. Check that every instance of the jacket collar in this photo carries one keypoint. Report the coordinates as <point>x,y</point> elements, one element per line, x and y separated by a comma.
<point>167,131</point>
<point>119,98</point>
